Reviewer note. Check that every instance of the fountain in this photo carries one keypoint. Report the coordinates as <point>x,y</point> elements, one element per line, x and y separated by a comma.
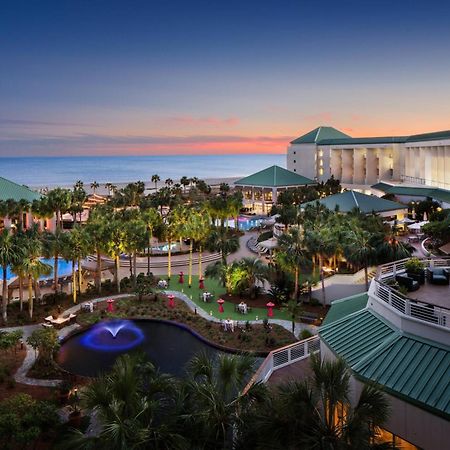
<point>113,336</point>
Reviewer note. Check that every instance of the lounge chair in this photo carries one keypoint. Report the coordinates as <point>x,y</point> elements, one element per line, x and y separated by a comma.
<point>438,275</point>
<point>408,282</point>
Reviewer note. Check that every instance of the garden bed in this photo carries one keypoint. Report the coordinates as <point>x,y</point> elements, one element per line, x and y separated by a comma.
<point>246,337</point>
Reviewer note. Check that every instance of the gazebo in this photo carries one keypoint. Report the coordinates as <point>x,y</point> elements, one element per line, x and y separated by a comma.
<point>260,190</point>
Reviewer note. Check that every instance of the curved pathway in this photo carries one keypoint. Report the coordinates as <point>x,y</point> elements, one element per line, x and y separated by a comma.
<point>30,357</point>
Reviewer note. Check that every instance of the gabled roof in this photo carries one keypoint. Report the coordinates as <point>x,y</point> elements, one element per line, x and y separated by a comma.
<point>365,140</point>
<point>274,176</point>
<point>319,134</point>
<point>349,200</point>
<point>409,367</point>
<point>13,191</point>
<point>345,306</point>
<point>442,195</point>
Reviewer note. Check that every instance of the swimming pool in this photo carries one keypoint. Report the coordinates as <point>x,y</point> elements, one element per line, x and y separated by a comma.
<point>64,269</point>
<point>246,223</point>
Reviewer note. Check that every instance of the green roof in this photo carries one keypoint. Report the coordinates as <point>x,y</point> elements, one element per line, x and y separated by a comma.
<point>345,306</point>
<point>442,195</point>
<point>13,191</point>
<point>412,368</point>
<point>318,134</point>
<point>274,176</point>
<point>437,135</point>
<point>349,200</point>
<point>365,140</point>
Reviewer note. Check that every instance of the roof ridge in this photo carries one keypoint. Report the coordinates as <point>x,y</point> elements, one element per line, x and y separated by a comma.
<point>354,198</point>
<point>16,184</point>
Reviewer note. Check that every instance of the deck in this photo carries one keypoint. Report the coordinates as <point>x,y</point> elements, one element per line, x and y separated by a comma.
<point>432,293</point>
<point>296,371</point>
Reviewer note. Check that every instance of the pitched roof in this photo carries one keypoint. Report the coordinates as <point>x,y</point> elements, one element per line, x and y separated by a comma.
<point>349,200</point>
<point>442,195</point>
<point>365,140</point>
<point>319,134</point>
<point>412,368</point>
<point>274,176</point>
<point>437,135</point>
<point>345,306</point>
<point>13,191</point>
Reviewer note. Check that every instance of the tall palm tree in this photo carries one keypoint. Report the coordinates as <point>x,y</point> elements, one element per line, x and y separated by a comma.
<point>135,240</point>
<point>359,250</point>
<point>116,246</point>
<point>172,230</point>
<point>198,234</point>
<point>292,254</point>
<point>96,230</point>
<point>94,186</point>
<point>219,240</point>
<point>10,253</point>
<point>153,223</point>
<point>184,181</point>
<point>59,200</point>
<point>155,179</point>
<point>53,247</point>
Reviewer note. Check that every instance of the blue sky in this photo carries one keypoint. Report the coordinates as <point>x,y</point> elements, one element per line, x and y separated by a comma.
<point>138,77</point>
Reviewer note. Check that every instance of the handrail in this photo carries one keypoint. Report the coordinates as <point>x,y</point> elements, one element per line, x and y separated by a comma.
<point>284,356</point>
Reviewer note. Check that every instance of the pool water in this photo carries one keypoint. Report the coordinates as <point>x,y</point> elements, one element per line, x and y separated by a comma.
<point>64,269</point>
<point>167,345</point>
<point>245,223</point>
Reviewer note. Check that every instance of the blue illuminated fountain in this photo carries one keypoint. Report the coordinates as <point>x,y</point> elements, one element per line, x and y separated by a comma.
<point>113,336</point>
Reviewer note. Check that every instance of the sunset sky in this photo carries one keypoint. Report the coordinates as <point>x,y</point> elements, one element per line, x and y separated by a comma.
<point>166,77</point>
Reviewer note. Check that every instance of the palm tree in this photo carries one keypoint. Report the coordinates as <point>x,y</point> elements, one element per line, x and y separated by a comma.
<point>168,182</point>
<point>94,186</point>
<point>359,250</point>
<point>224,273</point>
<point>184,182</point>
<point>292,254</point>
<point>155,179</point>
<point>172,230</point>
<point>59,200</point>
<point>198,233</point>
<point>153,223</point>
<point>134,406</point>
<point>10,253</point>
<point>215,397</point>
<point>95,229</point>
<point>316,413</point>
<point>135,240</point>
<point>54,244</point>
<point>219,240</point>
<point>116,246</point>
<point>253,271</point>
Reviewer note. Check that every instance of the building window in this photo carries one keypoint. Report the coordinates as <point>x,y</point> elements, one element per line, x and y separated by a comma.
<point>294,153</point>
<point>295,170</point>
<point>321,171</point>
<point>295,161</point>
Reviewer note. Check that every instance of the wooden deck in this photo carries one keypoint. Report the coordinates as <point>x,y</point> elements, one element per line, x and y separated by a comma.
<point>432,293</point>
<point>296,371</point>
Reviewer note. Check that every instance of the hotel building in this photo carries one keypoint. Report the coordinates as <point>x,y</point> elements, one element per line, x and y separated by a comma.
<point>421,159</point>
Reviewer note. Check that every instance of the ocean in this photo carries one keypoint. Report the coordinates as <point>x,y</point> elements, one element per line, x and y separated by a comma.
<point>65,171</point>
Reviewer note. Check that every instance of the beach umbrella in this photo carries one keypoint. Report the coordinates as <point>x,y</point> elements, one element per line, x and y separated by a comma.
<point>171,303</point>
<point>270,306</point>
<point>181,278</point>
<point>201,283</point>
<point>110,303</point>
<point>221,302</point>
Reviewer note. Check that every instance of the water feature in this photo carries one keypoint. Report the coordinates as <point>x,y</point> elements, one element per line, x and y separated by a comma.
<point>169,346</point>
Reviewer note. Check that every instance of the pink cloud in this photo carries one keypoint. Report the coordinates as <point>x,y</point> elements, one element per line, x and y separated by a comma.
<point>188,120</point>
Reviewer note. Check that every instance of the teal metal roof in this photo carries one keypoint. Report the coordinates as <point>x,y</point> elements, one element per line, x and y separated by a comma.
<point>319,134</point>
<point>365,140</point>
<point>442,195</point>
<point>345,306</point>
<point>357,335</point>
<point>409,367</point>
<point>349,200</point>
<point>274,176</point>
<point>415,369</point>
<point>13,191</point>
<point>437,135</point>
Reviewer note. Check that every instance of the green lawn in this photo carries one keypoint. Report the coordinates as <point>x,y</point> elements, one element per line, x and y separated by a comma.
<point>218,291</point>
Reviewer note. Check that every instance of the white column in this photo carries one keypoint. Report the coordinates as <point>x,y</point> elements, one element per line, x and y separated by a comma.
<point>371,166</point>
<point>359,165</point>
<point>347,166</point>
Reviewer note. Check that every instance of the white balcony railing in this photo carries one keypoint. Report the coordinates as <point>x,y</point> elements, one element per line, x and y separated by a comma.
<point>418,309</point>
<point>284,356</point>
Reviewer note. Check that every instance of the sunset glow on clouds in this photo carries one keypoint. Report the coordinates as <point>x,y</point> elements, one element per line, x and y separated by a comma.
<point>204,77</point>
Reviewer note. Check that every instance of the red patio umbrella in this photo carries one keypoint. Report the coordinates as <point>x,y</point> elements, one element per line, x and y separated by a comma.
<point>110,303</point>
<point>221,302</point>
<point>181,279</point>
<point>201,284</point>
<point>171,298</point>
<point>270,306</point>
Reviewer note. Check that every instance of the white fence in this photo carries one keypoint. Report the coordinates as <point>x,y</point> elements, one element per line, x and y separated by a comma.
<point>417,309</point>
<point>285,356</point>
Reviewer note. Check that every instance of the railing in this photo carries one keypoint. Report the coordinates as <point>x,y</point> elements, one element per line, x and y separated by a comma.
<point>284,356</point>
<point>420,310</point>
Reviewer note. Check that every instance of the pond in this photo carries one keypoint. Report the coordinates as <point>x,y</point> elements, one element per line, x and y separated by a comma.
<point>168,346</point>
